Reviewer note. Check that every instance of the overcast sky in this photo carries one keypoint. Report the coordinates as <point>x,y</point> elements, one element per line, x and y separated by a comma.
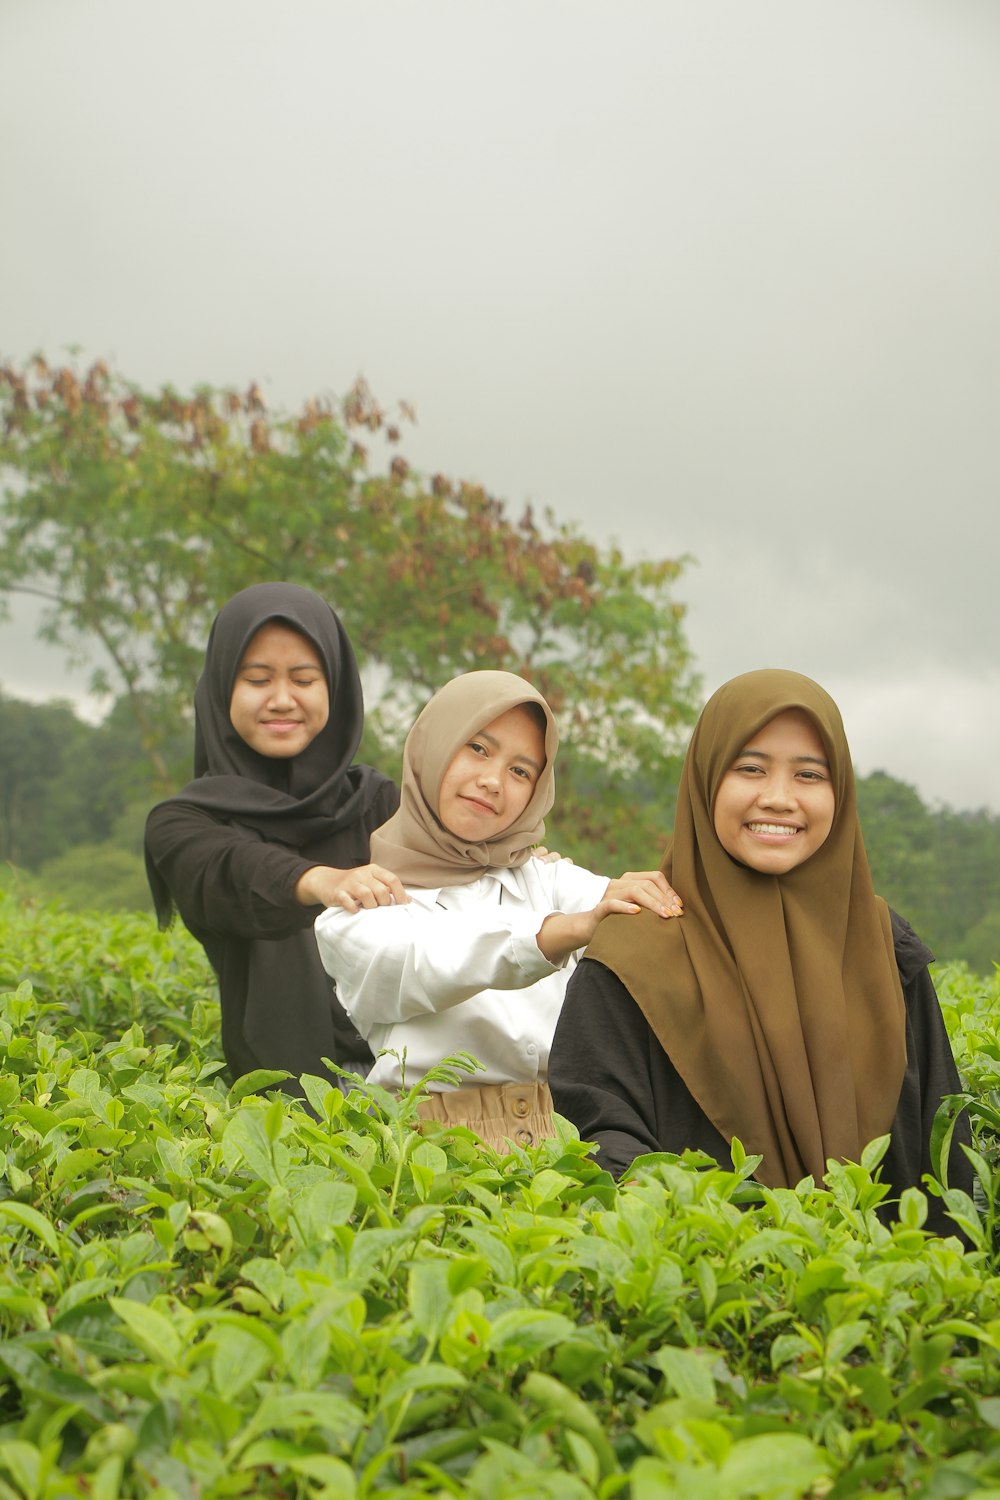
<point>710,277</point>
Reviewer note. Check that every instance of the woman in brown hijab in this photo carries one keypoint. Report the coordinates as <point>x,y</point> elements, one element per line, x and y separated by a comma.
<point>789,1007</point>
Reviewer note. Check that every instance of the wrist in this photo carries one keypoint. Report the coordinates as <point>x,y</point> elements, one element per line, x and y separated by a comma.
<point>307,887</point>
<point>561,934</point>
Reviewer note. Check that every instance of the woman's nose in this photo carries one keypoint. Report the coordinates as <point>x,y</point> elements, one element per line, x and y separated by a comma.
<point>777,791</point>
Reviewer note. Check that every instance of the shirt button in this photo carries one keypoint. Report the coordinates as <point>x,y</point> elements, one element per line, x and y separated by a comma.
<point>531,1049</point>
<point>525,1138</point>
<point>520,1106</point>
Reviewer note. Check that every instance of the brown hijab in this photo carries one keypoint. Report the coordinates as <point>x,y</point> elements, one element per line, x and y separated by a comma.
<point>777,998</point>
<point>415,844</point>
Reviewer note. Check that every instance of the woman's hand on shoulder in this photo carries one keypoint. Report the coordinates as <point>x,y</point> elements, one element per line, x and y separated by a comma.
<point>549,856</point>
<point>562,933</point>
<point>645,888</point>
<point>366,887</point>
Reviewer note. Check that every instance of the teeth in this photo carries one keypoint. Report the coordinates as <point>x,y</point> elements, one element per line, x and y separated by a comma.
<point>779,828</point>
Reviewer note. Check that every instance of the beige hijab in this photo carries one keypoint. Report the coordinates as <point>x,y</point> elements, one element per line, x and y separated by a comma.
<point>777,998</point>
<point>414,843</point>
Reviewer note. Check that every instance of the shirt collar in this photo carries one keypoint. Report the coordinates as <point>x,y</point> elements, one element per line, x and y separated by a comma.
<point>507,879</point>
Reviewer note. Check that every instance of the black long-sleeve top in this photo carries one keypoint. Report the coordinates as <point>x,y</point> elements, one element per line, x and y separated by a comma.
<point>611,1077</point>
<point>236,894</point>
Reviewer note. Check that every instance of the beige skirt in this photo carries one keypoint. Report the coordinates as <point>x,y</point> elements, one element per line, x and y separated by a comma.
<point>499,1113</point>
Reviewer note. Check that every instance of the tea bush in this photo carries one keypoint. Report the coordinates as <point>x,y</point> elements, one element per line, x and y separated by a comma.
<point>210,1291</point>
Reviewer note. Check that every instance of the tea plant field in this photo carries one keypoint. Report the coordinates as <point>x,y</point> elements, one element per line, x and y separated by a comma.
<point>209,1291</point>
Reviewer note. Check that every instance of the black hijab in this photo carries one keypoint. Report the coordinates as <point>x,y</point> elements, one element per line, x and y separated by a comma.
<point>296,801</point>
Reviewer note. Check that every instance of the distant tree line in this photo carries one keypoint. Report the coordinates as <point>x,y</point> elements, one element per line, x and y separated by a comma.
<point>938,867</point>
<point>73,799</point>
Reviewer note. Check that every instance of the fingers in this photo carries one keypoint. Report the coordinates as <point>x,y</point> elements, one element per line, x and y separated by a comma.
<point>649,889</point>
<point>549,856</point>
<point>369,887</point>
<point>616,905</point>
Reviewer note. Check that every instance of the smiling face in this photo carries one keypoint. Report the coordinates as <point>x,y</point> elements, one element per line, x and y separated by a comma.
<point>490,781</point>
<point>280,699</point>
<point>775,805</point>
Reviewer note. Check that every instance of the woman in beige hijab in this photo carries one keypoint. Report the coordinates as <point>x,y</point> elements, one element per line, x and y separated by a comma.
<point>477,957</point>
<point>790,1008</point>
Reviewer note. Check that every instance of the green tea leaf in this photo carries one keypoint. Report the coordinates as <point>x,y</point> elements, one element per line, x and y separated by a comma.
<point>689,1371</point>
<point>306,1346</point>
<point>432,1377</point>
<point>238,1359</point>
<point>154,1333</point>
<point>247,1133</point>
<point>524,1332</point>
<point>779,1465</point>
<point>318,1211</point>
<point>27,1217</point>
<point>430,1299</point>
<point>256,1082</point>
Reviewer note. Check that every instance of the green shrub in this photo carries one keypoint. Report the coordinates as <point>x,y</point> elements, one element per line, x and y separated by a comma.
<point>95,877</point>
<point>210,1292</point>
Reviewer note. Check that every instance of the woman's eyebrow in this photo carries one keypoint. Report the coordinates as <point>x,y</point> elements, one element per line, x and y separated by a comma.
<point>527,760</point>
<point>495,745</point>
<point>810,760</point>
<point>266,666</point>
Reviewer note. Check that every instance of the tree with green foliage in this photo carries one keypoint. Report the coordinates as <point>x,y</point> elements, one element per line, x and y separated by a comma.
<point>64,782</point>
<point>898,833</point>
<point>41,810</point>
<point>136,514</point>
<point>939,868</point>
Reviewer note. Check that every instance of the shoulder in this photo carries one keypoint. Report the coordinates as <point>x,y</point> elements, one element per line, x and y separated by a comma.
<point>591,980</point>
<point>560,883</point>
<point>382,795</point>
<point>912,953</point>
<point>599,1005</point>
<point>386,790</point>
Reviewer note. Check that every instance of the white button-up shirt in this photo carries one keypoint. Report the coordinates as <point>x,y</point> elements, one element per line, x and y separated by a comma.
<point>458,970</point>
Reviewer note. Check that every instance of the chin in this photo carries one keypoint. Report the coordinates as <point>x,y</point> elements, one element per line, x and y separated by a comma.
<point>278,752</point>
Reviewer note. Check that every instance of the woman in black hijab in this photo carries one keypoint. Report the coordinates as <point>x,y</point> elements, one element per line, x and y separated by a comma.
<point>274,827</point>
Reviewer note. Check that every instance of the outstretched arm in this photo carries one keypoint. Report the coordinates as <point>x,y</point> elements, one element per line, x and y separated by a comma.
<point>221,879</point>
<point>562,933</point>
<point>394,963</point>
<point>366,887</point>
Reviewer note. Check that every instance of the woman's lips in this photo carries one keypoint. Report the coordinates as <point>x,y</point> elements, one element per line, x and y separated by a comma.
<point>486,807</point>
